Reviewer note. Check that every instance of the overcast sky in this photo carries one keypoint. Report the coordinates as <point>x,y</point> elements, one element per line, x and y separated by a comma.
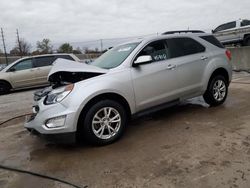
<point>84,20</point>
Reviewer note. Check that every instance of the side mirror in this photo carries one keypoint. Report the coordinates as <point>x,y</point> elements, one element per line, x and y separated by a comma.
<point>212,31</point>
<point>143,59</point>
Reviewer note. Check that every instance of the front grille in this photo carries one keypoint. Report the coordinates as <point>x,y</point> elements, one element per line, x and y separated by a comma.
<point>30,117</point>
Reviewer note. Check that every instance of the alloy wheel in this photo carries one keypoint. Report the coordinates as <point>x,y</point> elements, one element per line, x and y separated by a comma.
<point>106,123</point>
<point>219,90</point>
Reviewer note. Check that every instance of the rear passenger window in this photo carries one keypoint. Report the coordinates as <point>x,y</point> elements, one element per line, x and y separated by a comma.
<point>184,46</point>
<point>65,57</point>
<point>211,39</point>
<point>44,61</point>
<point>157,50</point>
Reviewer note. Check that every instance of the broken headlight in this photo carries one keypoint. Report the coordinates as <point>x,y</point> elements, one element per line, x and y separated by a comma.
<point>57,95</point>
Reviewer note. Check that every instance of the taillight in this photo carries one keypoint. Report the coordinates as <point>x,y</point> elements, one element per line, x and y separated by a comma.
<point>229,55</point>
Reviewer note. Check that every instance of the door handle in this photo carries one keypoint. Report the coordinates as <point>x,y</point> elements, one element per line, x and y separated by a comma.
<point>204,58</point>
<point>171,67</point>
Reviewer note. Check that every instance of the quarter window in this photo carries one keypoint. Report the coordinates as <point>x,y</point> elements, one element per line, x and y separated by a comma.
<point>212,40</point>
<point>183,46</point>
<point>157,50</point>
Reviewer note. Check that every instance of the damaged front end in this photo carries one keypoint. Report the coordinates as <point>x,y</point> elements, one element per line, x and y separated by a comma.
<point>64,77</point>
<point>66,72</point>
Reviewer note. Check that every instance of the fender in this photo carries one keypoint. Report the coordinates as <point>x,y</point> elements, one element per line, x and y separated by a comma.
<point>213,65</point>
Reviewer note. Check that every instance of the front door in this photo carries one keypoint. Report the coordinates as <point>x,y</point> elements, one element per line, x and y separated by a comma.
<point>22,74</point>
<point>155,82</point>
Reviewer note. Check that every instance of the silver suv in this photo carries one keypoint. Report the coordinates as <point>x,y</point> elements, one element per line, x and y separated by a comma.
<point>94,102</point>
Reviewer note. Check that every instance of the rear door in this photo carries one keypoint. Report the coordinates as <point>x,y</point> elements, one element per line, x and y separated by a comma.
<point>191,59</point>
<point>42,67</point>
<point>22,74</point>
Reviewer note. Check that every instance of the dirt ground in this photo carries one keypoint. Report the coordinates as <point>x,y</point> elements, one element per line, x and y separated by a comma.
<point>190,145</point>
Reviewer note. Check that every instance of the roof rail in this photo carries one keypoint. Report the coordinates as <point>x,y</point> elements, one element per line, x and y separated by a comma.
<point>183,31</point>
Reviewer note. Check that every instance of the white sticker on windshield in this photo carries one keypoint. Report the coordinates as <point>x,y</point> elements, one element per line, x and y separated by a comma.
<point>124,49</point>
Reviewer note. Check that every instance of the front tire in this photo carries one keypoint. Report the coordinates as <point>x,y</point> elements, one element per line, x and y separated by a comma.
<point>217,90</point>
<point>4,88</point>
<point>104,123</point>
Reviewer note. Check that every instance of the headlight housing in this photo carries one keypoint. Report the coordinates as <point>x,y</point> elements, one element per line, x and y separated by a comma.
<point>57,95</point>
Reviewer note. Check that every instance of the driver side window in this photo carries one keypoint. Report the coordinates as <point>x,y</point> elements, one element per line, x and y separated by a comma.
<point>23,65</point>
<point>157,50</point>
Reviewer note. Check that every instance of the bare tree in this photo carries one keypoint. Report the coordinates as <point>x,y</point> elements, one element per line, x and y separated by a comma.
<point>77,51</point>
<point>44,47</point>
<point>86,50</point>
<point>22,48</point>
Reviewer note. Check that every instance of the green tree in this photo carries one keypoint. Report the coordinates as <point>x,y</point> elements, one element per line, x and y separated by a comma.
<point>44,46</point>
<point>65,48</point>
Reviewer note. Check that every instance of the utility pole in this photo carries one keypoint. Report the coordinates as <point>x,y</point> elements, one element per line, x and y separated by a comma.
<point>19,43</point>
<point>4,47</point>
<point>101,45</point>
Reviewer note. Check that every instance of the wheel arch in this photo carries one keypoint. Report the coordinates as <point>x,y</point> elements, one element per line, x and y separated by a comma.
<point>7,82</point>
<point>245,38</point>
<point>246,35</point>
<point>111,96</point>
<point>219,71</point>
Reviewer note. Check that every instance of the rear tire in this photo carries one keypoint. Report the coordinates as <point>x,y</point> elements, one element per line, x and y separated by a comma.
<point>4,88</point>
<point>217,90</point>
<point>104,123</point>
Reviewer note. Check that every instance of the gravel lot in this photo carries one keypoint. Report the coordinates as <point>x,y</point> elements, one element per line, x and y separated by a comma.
<point>190,145</point>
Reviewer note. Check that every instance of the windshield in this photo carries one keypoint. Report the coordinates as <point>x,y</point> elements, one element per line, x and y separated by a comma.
<point>115,56</point>
<point>6,67</point>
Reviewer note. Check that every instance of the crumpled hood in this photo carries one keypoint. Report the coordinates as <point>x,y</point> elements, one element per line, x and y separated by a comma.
<point>63,65</point>
<point>66,72</point>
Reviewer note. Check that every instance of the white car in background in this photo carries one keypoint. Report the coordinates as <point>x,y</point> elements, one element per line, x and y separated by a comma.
<point>29,71</point>
<point>236,32</point>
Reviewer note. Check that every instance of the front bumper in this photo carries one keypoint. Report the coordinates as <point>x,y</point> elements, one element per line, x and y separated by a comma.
<point>36,123</point>
<point>62,138</point>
